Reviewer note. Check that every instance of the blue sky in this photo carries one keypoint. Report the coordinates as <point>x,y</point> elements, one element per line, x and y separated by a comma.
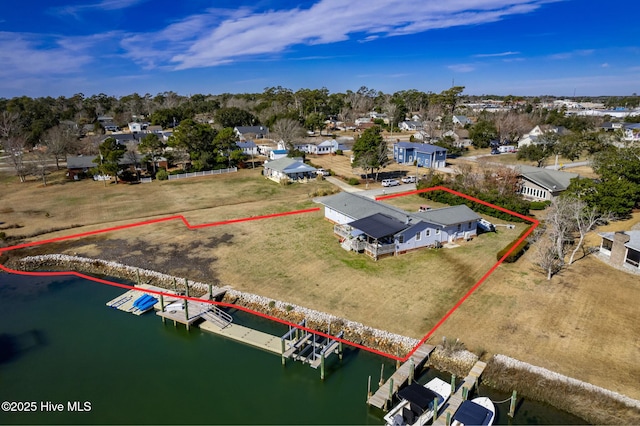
<point>520,47</point>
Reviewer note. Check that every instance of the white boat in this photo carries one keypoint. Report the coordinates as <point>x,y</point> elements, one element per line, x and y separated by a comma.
<point>416,405</point>
<point>478,411</point>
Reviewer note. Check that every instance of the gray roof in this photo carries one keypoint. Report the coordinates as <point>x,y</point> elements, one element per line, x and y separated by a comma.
<point>358,207</point>
<point>634,238</point>
<point>261,130</point>
<point>86,161</point>
<point>80,162</point>
<point>447,216</point>
<point>289,165</point>
<point>552,180</point>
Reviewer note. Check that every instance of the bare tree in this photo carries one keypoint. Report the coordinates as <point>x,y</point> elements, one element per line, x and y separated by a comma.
<point>14,147</point>
<point>39,167</point>
<point>288,130</point>
<point>586,219</point>
<point>547,258</point>
<point>560,224</point>
<point>61,140</point>
<point>9,125</point>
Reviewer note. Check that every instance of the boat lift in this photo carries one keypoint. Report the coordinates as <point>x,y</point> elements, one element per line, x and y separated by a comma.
<point>302,345</point>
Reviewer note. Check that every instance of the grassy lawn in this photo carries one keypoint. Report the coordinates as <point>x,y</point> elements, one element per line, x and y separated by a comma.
<point>582,323</point>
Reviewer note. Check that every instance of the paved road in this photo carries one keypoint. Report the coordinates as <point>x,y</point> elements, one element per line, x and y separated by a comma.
<point>371,193</point>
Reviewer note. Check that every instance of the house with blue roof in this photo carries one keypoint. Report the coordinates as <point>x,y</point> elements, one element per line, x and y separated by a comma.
<point>426,155</point>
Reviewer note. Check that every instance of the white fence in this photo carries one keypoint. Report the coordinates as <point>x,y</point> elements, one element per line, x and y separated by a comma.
<point>203,173</point>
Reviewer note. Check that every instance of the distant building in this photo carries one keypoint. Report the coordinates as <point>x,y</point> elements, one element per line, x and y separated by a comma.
<point>540,184</point>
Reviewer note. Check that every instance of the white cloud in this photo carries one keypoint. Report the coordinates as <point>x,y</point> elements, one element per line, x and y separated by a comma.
<point>75,10</point>
<point>38,57</point>
<point>462,67</point>
<point>605,65</point>
<point>572,54</point>
<point>493,55</point>
<point>219,36</point>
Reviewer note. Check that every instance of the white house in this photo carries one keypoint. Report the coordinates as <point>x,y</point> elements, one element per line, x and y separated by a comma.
<point>293,169</point>
<point>622,249</point>
<point>539,183</point>
<point>534,136</point>
<point>322,148</point>
<point>410,125</point>
<point>460,120</point>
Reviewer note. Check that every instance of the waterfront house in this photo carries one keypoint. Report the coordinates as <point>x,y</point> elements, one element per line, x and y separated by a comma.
<point>622,249</point>
<point>426,155</point>
<point>539,183</point>
<point>292,169</point>
<point>378,229</point>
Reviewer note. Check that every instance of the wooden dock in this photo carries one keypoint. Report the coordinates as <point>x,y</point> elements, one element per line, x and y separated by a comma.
<point>452,405</point>
<point>125,301</point>
<point>384,395</point>
<point>246,335</point>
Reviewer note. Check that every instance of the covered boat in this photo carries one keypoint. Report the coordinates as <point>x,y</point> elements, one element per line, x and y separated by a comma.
<point>417,403</point>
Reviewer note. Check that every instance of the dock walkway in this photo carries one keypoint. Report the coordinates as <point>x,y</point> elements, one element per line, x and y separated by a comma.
<point>384,394</point>
<point>452,405</point>
<point>125,301</point>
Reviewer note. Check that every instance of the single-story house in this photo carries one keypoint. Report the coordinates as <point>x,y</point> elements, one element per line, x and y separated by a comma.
<point>251,132</point>
<point>426,155</point>
<point>293,169</point>
<point>248,147</point>
<point>536,135</point>
<point>461,120</point>
<point>622,248</point>
<point>79,166</point>
<point>539,183</point>
<point>276,154</point>
<point>377,229</point>
<point>410,125</point>
<point>322,148</point>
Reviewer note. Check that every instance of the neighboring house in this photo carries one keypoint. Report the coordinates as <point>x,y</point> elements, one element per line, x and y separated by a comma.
<point>535,135</point>
<point>622,248</point>
<point>460,137</point>
<point>322,148</point>
<point>410,126</point>
<point>251,132</point>
<point>539,183</point>
<point>154,129</point>
<point>460,120</point>
<point>378,229</point>
<point>248,147</point>
<point>276,154</point>
<point>631,132</point>
<point>79,166</point>
<point>362,120</point>
<point>426,155</point>
<point>293,169</point>
<point>137,127</point>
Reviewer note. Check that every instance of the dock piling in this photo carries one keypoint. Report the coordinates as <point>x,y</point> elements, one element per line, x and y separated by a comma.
<point>512,406</point>
<point>411,370</point>
<point>453,383</point>
<point>369,388</point>
<point>435,408</point>
<point>162,305</point>
<point>381,382</point>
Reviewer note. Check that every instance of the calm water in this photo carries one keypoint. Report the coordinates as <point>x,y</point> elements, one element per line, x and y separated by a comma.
<point>59,343</point>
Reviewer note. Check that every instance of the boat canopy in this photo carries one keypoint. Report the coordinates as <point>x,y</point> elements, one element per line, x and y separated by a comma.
<point>419,395</point>
<point>471,413</point>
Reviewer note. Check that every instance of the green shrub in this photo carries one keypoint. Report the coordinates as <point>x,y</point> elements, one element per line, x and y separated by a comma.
<point>353,181</point>
<point>3,236</point>
<point>539,205</point>
<point>162,174</point>
<point>339,152</point>
<point>517,252</point>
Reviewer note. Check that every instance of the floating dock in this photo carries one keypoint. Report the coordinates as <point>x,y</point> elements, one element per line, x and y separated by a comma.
<point>125,301</point>
<point>452,405</point>
<point>384,394</point>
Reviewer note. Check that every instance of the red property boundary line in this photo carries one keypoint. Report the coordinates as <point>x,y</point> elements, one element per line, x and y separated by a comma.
<point>270,216</point>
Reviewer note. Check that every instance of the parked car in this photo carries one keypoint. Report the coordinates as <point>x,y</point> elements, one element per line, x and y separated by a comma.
<point>323,172</point>
<point>409,179</point>
<point>494,151</point>
<point>390,182</point>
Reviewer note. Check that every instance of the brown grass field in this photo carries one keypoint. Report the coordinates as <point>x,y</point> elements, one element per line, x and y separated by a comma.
<point>582,323</point>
